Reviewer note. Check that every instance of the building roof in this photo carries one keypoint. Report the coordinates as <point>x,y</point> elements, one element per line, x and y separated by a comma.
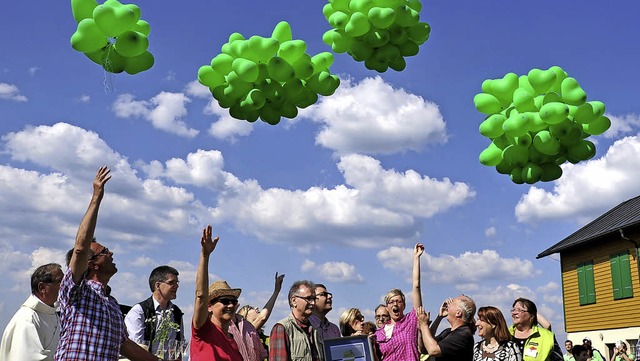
<point>623,216</point>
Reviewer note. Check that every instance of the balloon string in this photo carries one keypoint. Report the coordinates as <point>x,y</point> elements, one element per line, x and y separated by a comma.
<point>107,82</point>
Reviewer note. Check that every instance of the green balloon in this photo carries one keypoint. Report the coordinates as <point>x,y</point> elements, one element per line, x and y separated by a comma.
<point>320,83</point>
<point>516,175</point>
<point>376,38</point>
<point>501,142</point>
<point>293,90</point>
<point>560,76</point>
<point>572,93</point>
<point>491,156</point>
<point>327,11</point>
<point>88,38</point>
<point>554,112</point>
<point>139,63</point>
<point>360,51</point>
<point>246,70</point>
<point>142,26</point>
<point>551,97</point>
<point>358,25</point>
<point>282,32</point>
<point>373,63</point>
<point>114,19</point>
<point>270,114</point>
<point>240,49</point>
<point>134,8</point>
<point>339,20</point>
<point>589,112</point>
<point>598,126</point>
<point>235,36</point>
<point>524,140</point>
<point>113,62</point>
<point>292,50</point>
<point>131,43</point>
<point>492,126</point>
<point>361,6</point>
<point>517,125</point>
<point>222,63</point>
<point>541,80</point>
<point>406,16</point>
<point>550,172</point>
<point>537,124</point>
<point>523,83</point>
<point>419,33</point>
<point>340,5</point>
<point>409,48</point>
<point>322,61</point>
<point>209,77</point>
<point>536,157</point>
<point>223,99</point>
<point>309,99</point>
<point>415,5</point>
<point>237,89</point>
<point>303,67</point>
<point>487,103</point>
<point>83,9</point>
<point>341,42</point>
<point>381,17</point>
<point>263,49</point>
<point>255,99</point>
<point>289,110</point>
<point>398,35</point>
<point>567,132</point>
<point>582,150</point>
<point>398,64</point>
<point>516,155</point>
<point>387,53</point>
<point>523,101</point>
<point>502,89</point>
<point>504,167</point>
<point>531,173</point>
<point>280,70</point>
<point>273,92</point>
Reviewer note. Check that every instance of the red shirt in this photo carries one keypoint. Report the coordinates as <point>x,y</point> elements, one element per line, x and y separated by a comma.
<point>209,343</point>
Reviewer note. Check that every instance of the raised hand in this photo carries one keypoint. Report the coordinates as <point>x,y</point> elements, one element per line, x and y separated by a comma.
<point>279,280</point>
<point>208,245</point>
<point>99,181</point>
<point>423,317</point>
<point>418,249</point>
<point>444,309</point>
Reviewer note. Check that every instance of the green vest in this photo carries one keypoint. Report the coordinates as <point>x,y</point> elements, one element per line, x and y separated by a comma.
<point>540,343</point>
<point>298,342</point>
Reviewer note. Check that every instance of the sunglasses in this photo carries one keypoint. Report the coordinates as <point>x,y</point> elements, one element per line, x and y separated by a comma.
<point>226,301</point>
<point>105,251</point>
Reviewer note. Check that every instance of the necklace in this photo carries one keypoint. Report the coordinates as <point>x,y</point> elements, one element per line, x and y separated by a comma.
<point>489,348</point>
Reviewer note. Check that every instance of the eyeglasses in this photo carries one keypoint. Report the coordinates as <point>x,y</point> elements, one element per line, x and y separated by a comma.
<point>171,283</point>
<point>226,301</point>
<point>379,317</point>
<point>360,318</point>
<point>518,310</point>
<point>309,299</point>
<point>324,294</point>
<point>105,251</point>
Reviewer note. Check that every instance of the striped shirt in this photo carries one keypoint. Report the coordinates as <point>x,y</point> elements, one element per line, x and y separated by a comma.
<point>92,326</point>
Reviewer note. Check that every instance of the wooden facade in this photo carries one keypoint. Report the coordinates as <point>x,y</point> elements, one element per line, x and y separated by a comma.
<point>606,312</point>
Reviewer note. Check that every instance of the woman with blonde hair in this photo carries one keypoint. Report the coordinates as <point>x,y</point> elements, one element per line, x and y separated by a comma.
<point>351,322</point>
<point>496,344</point>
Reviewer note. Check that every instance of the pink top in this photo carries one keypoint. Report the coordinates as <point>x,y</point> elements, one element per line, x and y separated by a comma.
<point>403,343</point>
<point>209,343</point>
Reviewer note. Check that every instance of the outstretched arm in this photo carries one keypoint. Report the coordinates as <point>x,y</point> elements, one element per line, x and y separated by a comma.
<point>264,314</point>
<point>201,303</point>
<point>84,237</point>
<point>418,249</point>
<point>429,342</point>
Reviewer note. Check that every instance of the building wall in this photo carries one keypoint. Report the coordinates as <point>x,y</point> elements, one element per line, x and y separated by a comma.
<point>606,313</point>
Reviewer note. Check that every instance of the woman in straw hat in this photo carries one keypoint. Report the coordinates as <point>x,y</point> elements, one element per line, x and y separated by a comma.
<point>213,312</point>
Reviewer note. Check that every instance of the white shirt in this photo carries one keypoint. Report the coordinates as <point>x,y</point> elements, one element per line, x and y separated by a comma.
<point>32,334</point>
<point>135,322</point>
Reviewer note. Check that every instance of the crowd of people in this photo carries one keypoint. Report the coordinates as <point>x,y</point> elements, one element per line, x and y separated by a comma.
<point>71,315</point>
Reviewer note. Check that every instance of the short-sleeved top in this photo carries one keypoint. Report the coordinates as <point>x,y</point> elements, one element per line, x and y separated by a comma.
<point>456,345</point>
<point>403,343</point>
<point>91,323</point>
<point>209,343</point>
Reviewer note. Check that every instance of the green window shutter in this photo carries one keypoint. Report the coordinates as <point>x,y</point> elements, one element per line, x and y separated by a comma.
<point>621,276</point>
<point>586,284</point>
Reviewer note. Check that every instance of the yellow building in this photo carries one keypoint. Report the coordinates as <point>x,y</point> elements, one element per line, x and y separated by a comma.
<point>600,279</point>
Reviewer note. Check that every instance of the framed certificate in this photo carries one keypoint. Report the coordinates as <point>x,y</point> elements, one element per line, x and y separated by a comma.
<point>352,348</point>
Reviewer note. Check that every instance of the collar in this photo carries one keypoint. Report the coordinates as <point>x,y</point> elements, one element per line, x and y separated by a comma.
<point>37,305</point>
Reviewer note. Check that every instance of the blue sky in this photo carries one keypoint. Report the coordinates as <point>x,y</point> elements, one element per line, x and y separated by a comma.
<point>338,195</point>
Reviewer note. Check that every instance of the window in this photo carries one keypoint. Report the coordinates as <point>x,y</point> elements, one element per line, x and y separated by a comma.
<point>621,276</point>
<point>586,284</point>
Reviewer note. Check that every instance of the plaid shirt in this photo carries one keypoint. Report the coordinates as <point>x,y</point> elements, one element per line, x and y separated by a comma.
<point>248,340</point>
<point>92,327</point>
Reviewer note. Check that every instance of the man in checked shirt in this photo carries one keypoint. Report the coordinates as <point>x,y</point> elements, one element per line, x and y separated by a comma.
<point>92,326</point>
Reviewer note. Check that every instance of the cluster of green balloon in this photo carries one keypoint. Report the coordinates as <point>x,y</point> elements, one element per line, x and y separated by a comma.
<point>112,35</point>
<point>536,123</point>
<point>268,78</point>
<point>381,33</point>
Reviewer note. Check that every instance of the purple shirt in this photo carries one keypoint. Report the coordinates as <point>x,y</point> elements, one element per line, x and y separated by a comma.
<point>325,328</point>
<point>403,343</point>
<point>92,326</point>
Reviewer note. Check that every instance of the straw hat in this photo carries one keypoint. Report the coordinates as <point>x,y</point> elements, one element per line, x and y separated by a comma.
<point>221,288</point>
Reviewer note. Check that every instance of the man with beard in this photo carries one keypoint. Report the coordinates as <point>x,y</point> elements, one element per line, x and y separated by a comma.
<point>319,321</point>
<point>90,318</point>
<point>145,317</point>
<point>294,338</point>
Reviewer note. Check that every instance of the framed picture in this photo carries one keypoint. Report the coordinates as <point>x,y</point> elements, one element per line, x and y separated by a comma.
<point>352,348</point>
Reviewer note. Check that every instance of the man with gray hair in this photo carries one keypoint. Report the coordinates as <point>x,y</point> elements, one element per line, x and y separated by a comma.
<point>294,338</point>
<point>33,332</point>
<point>454,343</point>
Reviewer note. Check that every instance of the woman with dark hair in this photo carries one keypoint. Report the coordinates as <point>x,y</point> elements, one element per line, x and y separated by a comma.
<point>496,344</point>
<point>535,342</point>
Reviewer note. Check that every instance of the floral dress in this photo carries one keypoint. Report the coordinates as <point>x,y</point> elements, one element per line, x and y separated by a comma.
<point>507,351</point>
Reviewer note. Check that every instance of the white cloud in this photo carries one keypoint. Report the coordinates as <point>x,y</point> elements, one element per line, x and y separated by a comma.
<point>84,98</point>
<point>467,268</point>
<point>337,272</point>
<point>11,92</point>
<point>612,177</point>
<point>490,232</point>
<point>33,70</point>
<point>197,90</point>
<point>621,125</point>
<point>227,127</point>
<point>373,118</point>
<point>165,111</point>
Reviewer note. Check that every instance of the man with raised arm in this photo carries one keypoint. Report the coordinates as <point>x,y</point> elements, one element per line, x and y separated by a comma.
<point>92,327</point>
